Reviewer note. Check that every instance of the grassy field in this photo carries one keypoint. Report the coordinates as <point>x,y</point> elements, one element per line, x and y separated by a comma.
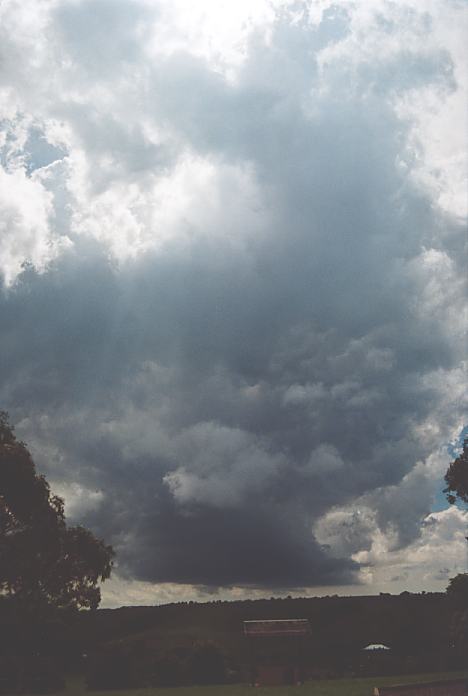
<point>336,687</point>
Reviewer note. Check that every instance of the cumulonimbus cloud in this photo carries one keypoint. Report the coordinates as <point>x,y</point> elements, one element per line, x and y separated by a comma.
<point>246,308</point>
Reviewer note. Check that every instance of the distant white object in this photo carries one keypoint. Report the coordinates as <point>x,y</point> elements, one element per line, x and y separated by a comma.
<point>376,646</point>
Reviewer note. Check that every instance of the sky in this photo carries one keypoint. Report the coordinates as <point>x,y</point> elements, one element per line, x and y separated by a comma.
<point>233,286</point>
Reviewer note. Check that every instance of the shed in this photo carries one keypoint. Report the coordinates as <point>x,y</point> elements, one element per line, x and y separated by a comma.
<point>277,650</point>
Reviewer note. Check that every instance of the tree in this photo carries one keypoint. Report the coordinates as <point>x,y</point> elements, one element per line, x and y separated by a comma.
<point>456,477</point>
<point>42,561</point>
<point>457,590</point>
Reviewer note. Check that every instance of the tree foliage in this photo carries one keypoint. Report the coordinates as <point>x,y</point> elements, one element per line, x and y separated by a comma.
<point>42,561</point>
<point>457,590</point>
<point>456,477</point>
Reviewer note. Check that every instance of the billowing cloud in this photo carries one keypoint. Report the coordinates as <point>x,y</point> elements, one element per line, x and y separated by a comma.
<point>238,350</point>
<point>428,561</point>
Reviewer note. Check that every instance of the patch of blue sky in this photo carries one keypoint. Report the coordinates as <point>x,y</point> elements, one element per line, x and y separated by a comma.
<point>39,152</point>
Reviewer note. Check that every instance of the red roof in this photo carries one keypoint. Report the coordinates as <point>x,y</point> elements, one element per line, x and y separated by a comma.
<point>276,627</point>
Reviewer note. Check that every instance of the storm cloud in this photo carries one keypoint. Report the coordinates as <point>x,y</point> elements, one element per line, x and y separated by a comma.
<point>240,318</point>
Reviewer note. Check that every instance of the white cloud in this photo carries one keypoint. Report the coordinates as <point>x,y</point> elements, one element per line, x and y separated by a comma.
<point>120,591</point>
<point>388,565</point>
<point>217,30</point>
<point>429,562</point>
<point>93,73</point>
<point>196,198</point>
<point>26,233</point>
<point>78,500</point>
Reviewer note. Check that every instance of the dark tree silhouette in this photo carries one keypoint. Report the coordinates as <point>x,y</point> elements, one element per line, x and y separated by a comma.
<point>42,561</point>
<point>457,590</point>
<point>456,477</point>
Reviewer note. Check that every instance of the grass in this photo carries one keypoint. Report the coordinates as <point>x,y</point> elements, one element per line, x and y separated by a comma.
<point>334,687</point>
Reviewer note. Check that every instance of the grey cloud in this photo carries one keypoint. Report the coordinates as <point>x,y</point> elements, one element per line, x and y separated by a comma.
<point>223,467</point>
<point>259,547</point>
<point>102,38</point>
<point>224,397</point>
